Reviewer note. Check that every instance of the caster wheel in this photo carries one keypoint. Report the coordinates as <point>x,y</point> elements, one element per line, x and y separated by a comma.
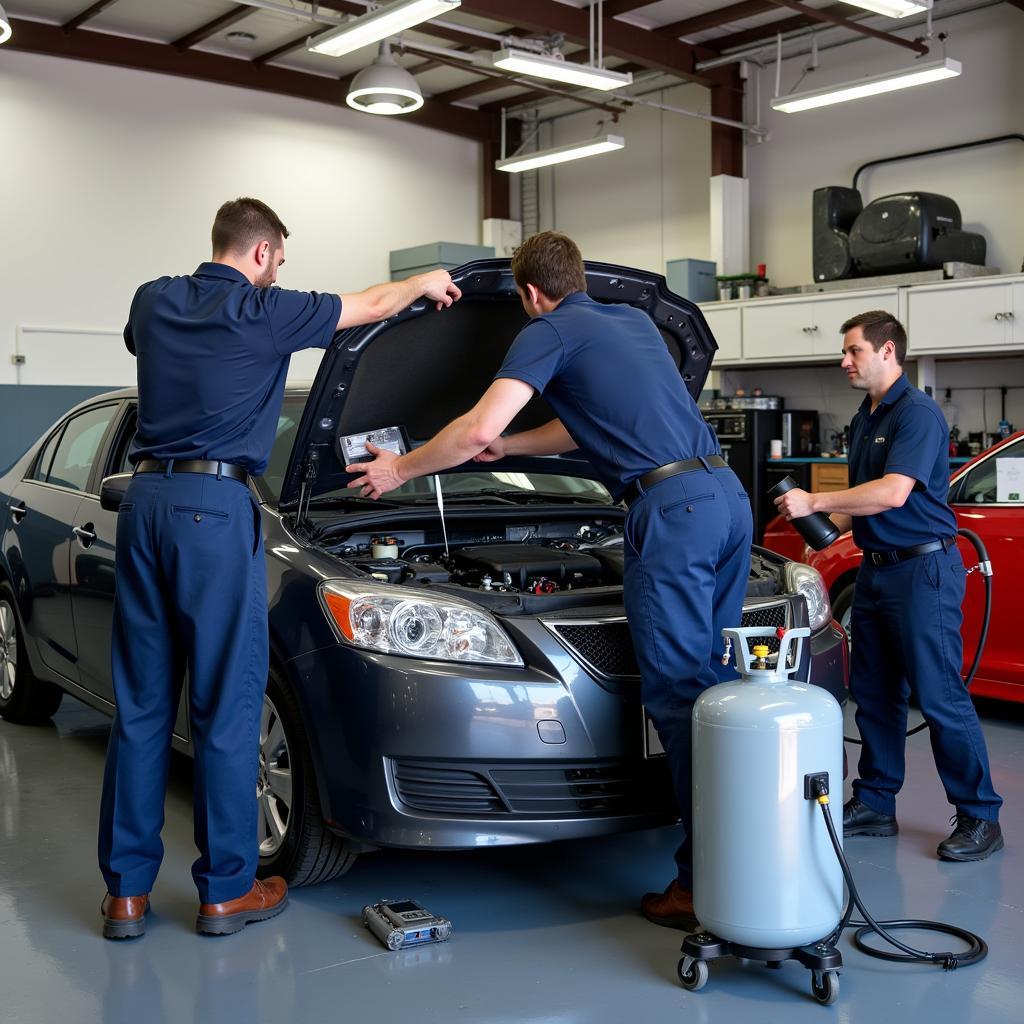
<point>825,987</point>
<point>695,976</point>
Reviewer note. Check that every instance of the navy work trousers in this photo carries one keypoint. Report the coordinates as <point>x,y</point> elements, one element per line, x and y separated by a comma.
<point>905,627</point>
<point>687,562</point>
<point>191,594</point>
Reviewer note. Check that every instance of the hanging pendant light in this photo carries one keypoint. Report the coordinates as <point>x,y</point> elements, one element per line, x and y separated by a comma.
<point>5,25</point>
<point>384,87</point>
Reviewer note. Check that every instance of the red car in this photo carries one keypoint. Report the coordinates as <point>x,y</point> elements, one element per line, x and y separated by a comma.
<point>987,495</point>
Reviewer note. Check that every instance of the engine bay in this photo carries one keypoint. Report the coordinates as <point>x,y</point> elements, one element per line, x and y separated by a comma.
<point>533,560</point>
<point>537,560</point>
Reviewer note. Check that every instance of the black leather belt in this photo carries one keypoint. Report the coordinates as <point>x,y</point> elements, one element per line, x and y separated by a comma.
<point>207,466</point>
<point>902,554</point>
<point>655,476</point>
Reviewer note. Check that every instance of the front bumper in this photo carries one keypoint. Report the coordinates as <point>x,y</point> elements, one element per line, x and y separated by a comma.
<point>445,756</point>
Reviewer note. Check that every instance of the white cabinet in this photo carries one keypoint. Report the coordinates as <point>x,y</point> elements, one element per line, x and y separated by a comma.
<point>726,325</point>
<point>806,327</point>
<point>980,315</point>
<point>973,316</point>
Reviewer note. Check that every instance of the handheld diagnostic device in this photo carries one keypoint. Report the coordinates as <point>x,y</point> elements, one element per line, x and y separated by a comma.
<point>352,447</point>
<point>400,923</point>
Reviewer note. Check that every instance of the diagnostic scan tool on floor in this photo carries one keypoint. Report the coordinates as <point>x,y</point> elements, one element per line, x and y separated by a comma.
<point>400,923</point>
<point>352,447</point>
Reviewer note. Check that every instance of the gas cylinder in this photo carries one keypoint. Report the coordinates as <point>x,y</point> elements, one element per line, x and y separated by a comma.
<point>764,871</point>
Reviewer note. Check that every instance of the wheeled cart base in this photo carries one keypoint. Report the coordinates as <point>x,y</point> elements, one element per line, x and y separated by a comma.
<point>822,959</point>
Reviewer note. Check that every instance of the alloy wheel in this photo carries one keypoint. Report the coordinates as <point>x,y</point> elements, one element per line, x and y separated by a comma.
<point>8,650</point>
<point>274,783</point>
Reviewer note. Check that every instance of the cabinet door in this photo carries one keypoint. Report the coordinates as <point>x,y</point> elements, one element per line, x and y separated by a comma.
<point>1016,319</point>
<point>830,313</point>
<point>775,329</point>
<point>971,317</point>
<point>726,326</point>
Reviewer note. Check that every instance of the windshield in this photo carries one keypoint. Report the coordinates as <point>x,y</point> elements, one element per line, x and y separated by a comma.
<point>489,484</point>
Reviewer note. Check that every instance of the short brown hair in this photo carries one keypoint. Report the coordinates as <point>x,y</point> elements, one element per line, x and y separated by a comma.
<point>242,223</point>
<point>551,262</point>
<point>878,327</point>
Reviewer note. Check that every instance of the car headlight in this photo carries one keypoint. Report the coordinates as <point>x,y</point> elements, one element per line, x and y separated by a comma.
<point>806,580</point>
<point>379,617</point>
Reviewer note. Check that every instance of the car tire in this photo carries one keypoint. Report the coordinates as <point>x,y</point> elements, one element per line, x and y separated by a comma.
<point>24,698</point>
<point>842,606</point>
<point>294,840</point>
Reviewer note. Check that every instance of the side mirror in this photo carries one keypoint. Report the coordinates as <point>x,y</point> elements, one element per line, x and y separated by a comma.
<point>112,490</point>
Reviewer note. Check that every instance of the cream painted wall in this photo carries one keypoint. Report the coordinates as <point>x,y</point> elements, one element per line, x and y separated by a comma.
<point>642,205</point>
<point>110,177</point>
<point>825,146</point>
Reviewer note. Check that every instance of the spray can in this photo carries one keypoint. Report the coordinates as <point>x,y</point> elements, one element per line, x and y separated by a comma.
<point>816,529</point>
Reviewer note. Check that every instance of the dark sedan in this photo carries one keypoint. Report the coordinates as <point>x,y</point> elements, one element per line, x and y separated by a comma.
<point>441,679</point>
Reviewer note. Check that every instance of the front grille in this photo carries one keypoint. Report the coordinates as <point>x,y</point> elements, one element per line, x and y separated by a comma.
<point>537,789</point>
<point>607,647</point>
<point>770,616</point>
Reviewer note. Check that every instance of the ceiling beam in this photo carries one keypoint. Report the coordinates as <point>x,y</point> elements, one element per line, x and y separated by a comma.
<point>767,32</point>
<point>464,92</point>
<point>829,18</point>
<point>211,28</point>
<point>712,19</point>
<point>87,14</point>
<point>162,58</point>
<point>298,43</point>
<point>620,39</point>
<point>612,8</point>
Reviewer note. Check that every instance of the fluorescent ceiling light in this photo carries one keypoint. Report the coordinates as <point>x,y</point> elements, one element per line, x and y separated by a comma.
<point>893,8</point>
<point>920,74</point>
<point>5,26</point>
<point>557,69</point>
<point>560,154</point>
<point>380,24</point>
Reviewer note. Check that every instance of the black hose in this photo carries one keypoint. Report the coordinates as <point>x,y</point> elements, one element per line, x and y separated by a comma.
<point>977,947</point>
<point>986,571</point>
<point>932,152</point>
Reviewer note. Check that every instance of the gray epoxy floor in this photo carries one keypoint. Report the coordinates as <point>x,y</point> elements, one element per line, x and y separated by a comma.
<point>543,934</point>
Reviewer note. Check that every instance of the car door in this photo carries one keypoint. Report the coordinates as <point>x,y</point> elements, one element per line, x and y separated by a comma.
<point>93,572</point>
<point>44,516</point>
<point>987,501</point>
<point>92,562</point>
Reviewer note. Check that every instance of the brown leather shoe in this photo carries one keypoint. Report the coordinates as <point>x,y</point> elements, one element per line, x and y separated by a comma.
<point>672,908</point>
<point>266,899</point>
<point>124,917</point>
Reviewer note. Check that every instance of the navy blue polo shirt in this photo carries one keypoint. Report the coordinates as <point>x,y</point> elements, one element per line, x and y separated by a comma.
<point>906,434</point>
<point>213,353</point>
<point>607,374</point>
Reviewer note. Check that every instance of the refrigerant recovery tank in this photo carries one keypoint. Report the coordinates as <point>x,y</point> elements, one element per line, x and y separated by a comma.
<point>765,873</point>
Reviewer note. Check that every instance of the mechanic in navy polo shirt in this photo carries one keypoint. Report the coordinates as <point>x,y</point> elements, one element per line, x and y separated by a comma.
<point>212,351</point>
<point>619,397</point>
<point>906,614</point>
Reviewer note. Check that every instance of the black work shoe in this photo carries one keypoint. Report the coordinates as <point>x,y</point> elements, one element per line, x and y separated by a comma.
<point>861,820</point>
<point>972,839</point>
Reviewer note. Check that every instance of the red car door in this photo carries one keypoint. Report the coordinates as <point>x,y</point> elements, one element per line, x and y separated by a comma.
<point>988,501</point>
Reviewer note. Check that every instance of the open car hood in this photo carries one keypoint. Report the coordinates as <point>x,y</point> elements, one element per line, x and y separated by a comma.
<point>422,368</point>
